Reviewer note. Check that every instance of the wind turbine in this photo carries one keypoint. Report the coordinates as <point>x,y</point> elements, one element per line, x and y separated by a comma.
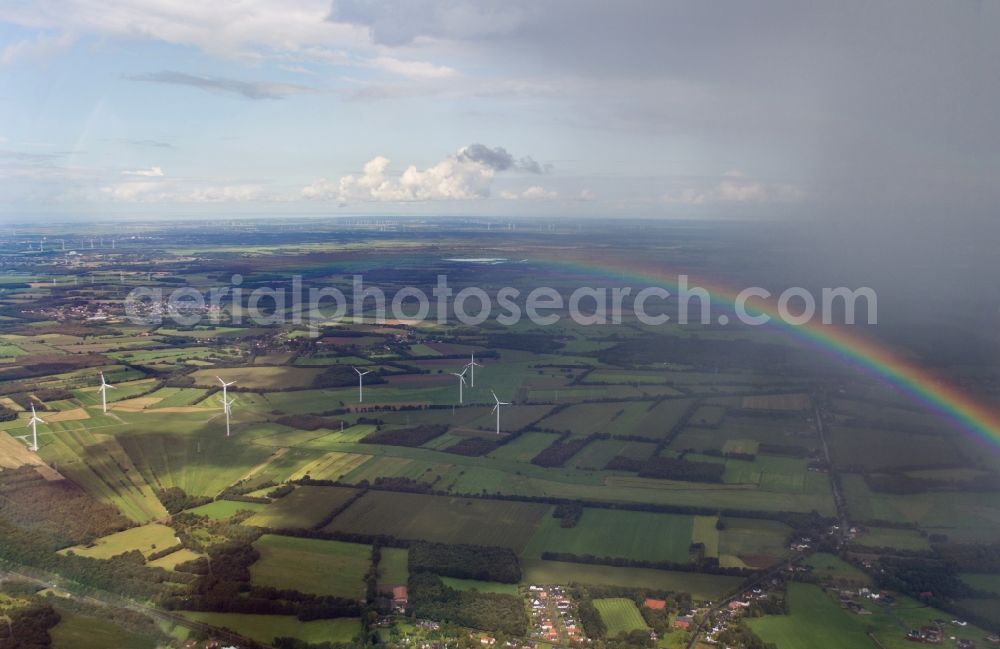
<point>224,386</point>
<point>361,395</point>
<point>461,382</point>
<point>33,422</point>
<point>471,365</point>
<point>496,408</point>
<point>227,408</point>
<point>104,392</point>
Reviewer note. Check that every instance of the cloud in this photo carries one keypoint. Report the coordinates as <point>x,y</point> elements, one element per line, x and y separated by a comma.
<point>249,90</point>
<point>533,193</point>
<point>40,47</point>
<point>498,159</point>
<point>734,187</point>
<point>152,172</point>
<point>400,23</point>
<point>165,191</point>
<point>466,175</point>
<point>413,69</point>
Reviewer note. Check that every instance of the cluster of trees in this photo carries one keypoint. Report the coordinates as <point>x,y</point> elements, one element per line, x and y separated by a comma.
<point>58,508</point>
<point>339,376</point>
<point>120,574</point>
<point>176,500</point>
<point>413,436</point>
<point>6,414</point>
<point>932,580</point>
<point>223,585</point>
<point>590,619</point>
<point>28,627</point>
<point>669,468</point>
<point>483,562</point>
<point>474,446</point>
<point>740,635</point>
<point>557,453</point>
<point>430,598</point>
<point>569,514</point>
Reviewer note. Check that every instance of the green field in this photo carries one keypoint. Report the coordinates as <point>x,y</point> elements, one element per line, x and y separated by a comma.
<point>613,533</point>
<point>620,615</point>
<point>147,539</point>
<point>699,585</point>
<point>304,507</point>
<point>265,628</point>
<point>828,566</point>
<point>989,583</point>
<point>639,418</point>
<point>891,537</point>
<point>814,621</point>
<point>311,565</point>
<point>442,519</point>
<point>752,542</point>
<point>393,566</point>
<point>76,631</point>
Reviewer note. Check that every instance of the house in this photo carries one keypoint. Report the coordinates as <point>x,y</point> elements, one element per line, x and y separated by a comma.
<point>399,597</point>
<point>655,604</point>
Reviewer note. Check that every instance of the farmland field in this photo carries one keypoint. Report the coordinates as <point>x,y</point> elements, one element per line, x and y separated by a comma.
<point>701,586</point>
<point>620,615</point>
<point>442,519</point>
<point>393,565</point>
<point>265,628</point>
<point>304,507</point>
<point>814,620</point>
<point>147,539</point>
<point>76,631</point>
<point>610,533</point>
<point>311,565</point>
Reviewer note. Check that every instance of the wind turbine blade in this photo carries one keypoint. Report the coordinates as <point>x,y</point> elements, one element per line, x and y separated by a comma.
<point>494,408</point>
<point>495,398</point>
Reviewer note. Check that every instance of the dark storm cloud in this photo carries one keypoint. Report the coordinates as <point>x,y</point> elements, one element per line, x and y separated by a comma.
<point>246,89</point>
<point>499,159</point>
<point>886,107</point>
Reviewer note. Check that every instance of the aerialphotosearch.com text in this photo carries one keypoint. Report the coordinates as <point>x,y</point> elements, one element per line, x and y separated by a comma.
<point>316,307</point>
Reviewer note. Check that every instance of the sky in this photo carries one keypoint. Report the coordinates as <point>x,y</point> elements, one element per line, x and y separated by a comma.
<point>860,111</point>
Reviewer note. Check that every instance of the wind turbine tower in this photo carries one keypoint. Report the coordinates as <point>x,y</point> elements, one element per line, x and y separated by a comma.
<point>496,408</point>
<point>227,408</point>
<point>461,383</point>
<point>361,394</point>
<point>104,393</point>
<point>33,422</point>
<point>471,366</point>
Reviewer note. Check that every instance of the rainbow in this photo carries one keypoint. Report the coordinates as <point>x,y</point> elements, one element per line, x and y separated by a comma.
<point>852,348</point>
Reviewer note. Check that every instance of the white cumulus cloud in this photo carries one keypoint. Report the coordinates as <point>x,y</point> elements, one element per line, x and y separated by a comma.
<point>457,177</point>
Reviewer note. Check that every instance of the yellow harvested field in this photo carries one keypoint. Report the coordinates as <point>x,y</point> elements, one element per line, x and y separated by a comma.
<point>136,404</point>
<point>10,403</point>
<point>14,453</point>
<point>332,466</point>
<point>147,539</point>
<point>76,414</point>
<point>258,377</point>
<point>173,559</point>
